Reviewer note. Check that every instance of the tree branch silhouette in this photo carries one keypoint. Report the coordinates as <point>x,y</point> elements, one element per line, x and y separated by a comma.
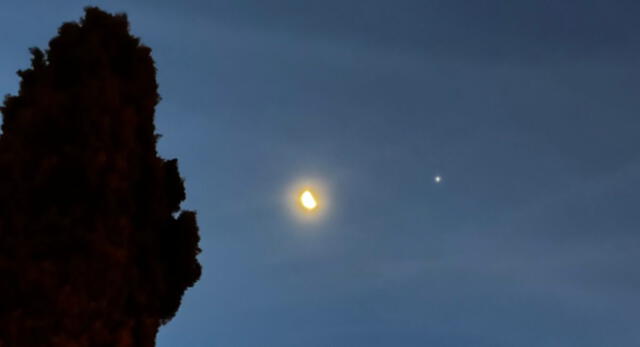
<point>94,249</point>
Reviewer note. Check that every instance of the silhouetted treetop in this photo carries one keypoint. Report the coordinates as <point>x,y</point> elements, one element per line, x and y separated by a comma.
<point>94,249</point>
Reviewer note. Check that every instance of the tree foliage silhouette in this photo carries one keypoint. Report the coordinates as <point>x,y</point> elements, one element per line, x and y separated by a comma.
<point>94,250</point>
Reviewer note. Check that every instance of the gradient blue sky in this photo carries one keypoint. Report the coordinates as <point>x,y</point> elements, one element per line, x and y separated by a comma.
<point>528,109</point>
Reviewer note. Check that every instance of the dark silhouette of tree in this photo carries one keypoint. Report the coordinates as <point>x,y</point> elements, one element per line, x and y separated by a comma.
<point>94,250</point>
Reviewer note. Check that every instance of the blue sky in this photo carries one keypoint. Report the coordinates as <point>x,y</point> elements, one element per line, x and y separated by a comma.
<point>528,110</point>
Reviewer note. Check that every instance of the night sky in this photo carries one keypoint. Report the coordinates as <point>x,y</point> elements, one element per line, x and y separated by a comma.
<point>529,110</point>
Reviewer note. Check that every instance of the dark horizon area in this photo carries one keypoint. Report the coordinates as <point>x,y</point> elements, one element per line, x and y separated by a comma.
<point>527,110</point>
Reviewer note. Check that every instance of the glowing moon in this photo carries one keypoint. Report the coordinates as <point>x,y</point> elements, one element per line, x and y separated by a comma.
<point>438,179</point>
<point>308,201</point>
